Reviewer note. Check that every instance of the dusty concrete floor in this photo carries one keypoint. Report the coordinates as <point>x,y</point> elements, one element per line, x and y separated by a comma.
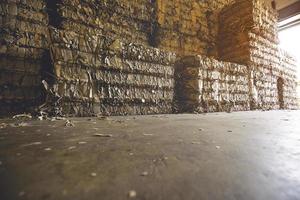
<point>245,155</point>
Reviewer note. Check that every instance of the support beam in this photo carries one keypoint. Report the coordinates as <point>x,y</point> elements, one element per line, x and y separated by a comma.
<point>289,11</point>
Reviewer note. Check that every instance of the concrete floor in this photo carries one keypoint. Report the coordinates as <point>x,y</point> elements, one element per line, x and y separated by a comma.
<point>244,155</point>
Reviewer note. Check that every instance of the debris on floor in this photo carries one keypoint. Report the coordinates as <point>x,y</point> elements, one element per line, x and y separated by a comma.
<point>72,147</point>
<point>57,118</point>
<point>22,193</point>
<point>119,121</point>
<point>102,135</point>
<point>145,134</point>
<point>93,174</point>
<point>22,116</point>
<point>42,116</point>
<point>102,118</point>
<point>3,125</point>
<point>69,123</point>
<point>145,173</point>
<point>32,144</point>
<point>82,142</point>
<point>195,142</point>
<point>132,194</point>
<point>48,149</point>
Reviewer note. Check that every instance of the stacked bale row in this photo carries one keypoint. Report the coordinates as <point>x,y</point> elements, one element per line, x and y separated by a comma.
<point>115,18</point>
<point>249,36</point>
<point>267,62</point>
<point>215,8</point>
<point>288,72</point>
<point>204,84</point>
<point>270,66</point>
<point>233,42</point>
<point>265,65</point>
<point>188,27</point>
<point>102,74</point>
<point>247,25</point>
<point>183,26</point>
<point>96,74</point>
<point>23,43</point>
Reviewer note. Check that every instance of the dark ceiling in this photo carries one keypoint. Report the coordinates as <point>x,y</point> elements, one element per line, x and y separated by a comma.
<point>284,3</point>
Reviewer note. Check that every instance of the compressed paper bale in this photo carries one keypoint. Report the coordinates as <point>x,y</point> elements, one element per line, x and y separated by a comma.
<point>213,90</point>
<point>24,42</point>
<point>117,18</point>
<point>101,53</point>
<point>114,71</point>
<point>188,27</point>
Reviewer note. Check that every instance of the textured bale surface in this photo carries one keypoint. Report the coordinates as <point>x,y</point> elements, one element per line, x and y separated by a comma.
<point>23,44</point>
<point>110,76</point>
<point>249,36</point>
<point>89,57</point>
<point>204,84</point>
<point>189,27</point>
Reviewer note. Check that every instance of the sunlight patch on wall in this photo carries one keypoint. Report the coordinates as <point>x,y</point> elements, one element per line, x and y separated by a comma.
<point>290,40</point>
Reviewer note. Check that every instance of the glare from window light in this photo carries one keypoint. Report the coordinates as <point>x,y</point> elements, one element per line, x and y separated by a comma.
<point>290,41</point>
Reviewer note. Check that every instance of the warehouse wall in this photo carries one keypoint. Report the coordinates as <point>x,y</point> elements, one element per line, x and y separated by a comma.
<point>99,73</point>
<point>92,75</point>
<point>189,27</point>
<point>248,35</point>
<point>113,18</point>
<point>204,84</point>
<point>23,53</point>
<point>88,57</point>
<point>77,35</point>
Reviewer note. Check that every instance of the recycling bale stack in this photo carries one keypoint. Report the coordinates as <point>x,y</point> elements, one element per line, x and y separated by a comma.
<point>268,63</point>
<point>235,21</point>
<point>97,57</point>
<point>188,27</point>
<point>23,44</point>
<point>129,20</point>
<point>100,75</point>
<point>249,36</point>
<point>288,72</point>
<point>212,15</point>
<point>264,56</point>
<point>204,84</point>
<point>183,26</point>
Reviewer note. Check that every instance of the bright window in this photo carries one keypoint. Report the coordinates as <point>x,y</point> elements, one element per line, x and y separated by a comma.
<point>290,41</point>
